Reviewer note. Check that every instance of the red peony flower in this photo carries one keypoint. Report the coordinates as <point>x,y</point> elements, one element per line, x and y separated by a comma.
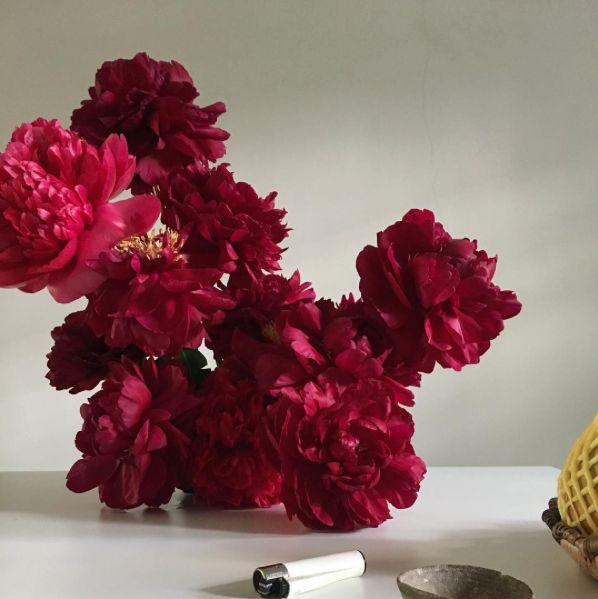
<point>79,359</point>
<point>151,298</point>
<point>345,454</point>
<point>259,298</point>
<point>433,294</point>
<point>135,437</point>
<point>54,210</point>
<point>372,338</point>
<point>151,103</point>
<point>318,340</point>
<point>230,225</point>
<point>229,468</point>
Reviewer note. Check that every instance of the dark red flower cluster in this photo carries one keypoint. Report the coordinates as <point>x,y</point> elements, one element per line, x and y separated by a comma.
<point>322,341</point>
<point>316,366</point>
<point>346,453</point>
<point>434,294</point>
<point>80,359</point>
<point>228,223</point>
<point>152,299</point>
<point>150,102</point>
<point>307,402</point>
<point>230,468</point>
<point>135,438</point>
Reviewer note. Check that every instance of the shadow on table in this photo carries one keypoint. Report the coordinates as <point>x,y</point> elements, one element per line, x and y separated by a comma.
<point>272,521</point>
<point>46,495</point>
<point>237,589</point>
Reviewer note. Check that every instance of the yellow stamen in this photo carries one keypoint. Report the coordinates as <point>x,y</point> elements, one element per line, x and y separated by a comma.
<point>270,332</point>
<point>153,244</point>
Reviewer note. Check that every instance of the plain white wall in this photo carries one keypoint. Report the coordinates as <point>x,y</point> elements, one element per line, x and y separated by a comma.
<point>486,112</point>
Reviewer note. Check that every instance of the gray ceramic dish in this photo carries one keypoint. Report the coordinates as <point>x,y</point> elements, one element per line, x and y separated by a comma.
<point>460,582</point>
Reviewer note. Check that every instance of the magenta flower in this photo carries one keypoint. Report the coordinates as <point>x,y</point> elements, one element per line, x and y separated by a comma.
<point>80,359</point>
<point>150,102</point>
<point>135,437</point>
<point>345,454</point>
<point>55,213</point>
<point>431,295</point>
<point>229,224</point>
<point>322,341</point>
<point>259,299</point>
<point>152,299</point>
<point>229,467</point>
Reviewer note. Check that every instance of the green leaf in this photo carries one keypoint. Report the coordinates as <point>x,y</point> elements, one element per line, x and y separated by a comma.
<point>195,364</point>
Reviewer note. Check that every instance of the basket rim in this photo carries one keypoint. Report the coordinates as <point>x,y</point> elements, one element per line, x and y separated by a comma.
<point>586,546</point>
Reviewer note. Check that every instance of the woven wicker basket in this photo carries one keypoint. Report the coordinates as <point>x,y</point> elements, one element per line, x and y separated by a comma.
<point>581,547</point>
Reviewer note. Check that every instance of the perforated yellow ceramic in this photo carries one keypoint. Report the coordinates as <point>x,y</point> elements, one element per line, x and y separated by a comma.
<point>578,483</point>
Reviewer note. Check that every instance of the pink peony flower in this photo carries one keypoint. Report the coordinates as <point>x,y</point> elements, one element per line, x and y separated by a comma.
<point>345,454</point>
<point>79,359</point>
<point>259,298</point>
<point>150,102</point>
<point>54,210</point>
<point>433,294</point>
<point>229,224</point>
<point>151,297</point>
<point>135,438</point>
<point>229,468</point>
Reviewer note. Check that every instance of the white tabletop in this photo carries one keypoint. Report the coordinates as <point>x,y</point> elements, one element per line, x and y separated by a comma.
<point>54,544</point>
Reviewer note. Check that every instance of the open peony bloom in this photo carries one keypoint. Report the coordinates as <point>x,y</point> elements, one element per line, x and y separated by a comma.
<point>318,340</point>
<point>135,437</point>
<point>229,224</point>
<point>80,359</point>
<point>229,468</point>
<point>345,454</point>
<point>150,102</point>
<point>55,213</point>
<point>259,299</point>
<point>152,299</point>
<point>433,294</point>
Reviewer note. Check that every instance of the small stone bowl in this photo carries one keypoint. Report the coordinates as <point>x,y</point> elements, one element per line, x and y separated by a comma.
<point>460,582</point>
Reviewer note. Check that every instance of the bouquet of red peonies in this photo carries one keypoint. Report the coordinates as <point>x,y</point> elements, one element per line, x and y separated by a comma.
<point>307,404</point>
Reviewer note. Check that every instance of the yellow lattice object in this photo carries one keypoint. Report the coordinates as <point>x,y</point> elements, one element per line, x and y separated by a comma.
<point>578,483</point>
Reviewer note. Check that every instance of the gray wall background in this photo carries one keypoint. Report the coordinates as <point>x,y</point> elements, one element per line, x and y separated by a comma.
<point>485,112</point>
